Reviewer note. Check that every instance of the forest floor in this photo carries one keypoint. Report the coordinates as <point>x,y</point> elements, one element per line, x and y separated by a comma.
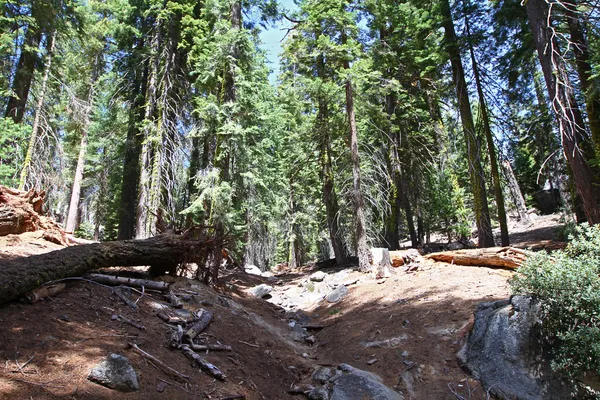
<point>407,329</point>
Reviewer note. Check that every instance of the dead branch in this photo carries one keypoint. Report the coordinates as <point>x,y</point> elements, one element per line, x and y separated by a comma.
<point>210,347</point>
<point>204,319</point>
<point>132,322</point>
<point>123,281</point>
<point>165,367</point>
<point>204,365</point>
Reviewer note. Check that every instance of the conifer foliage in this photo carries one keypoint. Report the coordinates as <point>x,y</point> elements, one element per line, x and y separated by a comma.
<point>389,123</point>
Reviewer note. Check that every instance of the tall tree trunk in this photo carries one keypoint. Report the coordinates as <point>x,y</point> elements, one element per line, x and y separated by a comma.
<point>362,249</point>
<point>480,205</point>
<point>490,142</point>
<point>329,194</point>
<point>72,216</point>
<point>392,228</point>
<point>584,72</point>
<point>38,114</point>
<point>295,252</point>
<point>143,217</point>
<point>569,118</point>
<point>515,190</point>
<point>131,162</point>
<point>21,84</point>
<point>401,149</point>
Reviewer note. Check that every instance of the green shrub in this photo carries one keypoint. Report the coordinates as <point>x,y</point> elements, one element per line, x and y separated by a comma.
<point>567,284</point>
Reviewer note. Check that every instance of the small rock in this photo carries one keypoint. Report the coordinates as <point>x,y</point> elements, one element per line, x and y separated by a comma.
<point>318,394</point>
<point>65,318</point>
<point>161,386</point>
<point>338,294</point>
<point>114,317</point>
<point>373,361</point>
<point>404,353</point>
<point>261,290</point>
<point>115,373</point>
<point>310,339</point>
<point>252,269</point>
<point>318,276</point>
<point>322,375</point>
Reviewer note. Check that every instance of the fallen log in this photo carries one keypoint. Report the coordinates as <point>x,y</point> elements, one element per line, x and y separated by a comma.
<point>494,257</point>
<point>21,275</point>
<point>119,280</point>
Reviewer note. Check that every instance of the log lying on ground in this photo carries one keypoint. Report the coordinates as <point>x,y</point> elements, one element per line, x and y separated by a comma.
<point>495,257</point>
<point>119,280</point>
<point>21,275</point>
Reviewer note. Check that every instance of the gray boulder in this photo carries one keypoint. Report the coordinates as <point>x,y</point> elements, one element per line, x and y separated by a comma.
<point>337,294</point>
<point>261,290</point>
<point>504,351</point>
<point>355,384</point>
<point>115,373</point>
<point>318,276</point>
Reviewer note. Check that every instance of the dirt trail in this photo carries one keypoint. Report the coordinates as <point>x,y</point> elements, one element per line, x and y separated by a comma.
<point>407,329</point>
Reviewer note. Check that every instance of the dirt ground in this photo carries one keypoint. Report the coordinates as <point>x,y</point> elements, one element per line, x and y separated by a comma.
<point>420,320</point>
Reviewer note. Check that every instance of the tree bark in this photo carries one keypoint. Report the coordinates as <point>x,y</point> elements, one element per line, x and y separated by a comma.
<point>144,218</point>
<point>72,216</point>
<point>490,142</point>
<point>133,148</point>
<point>38,114</point>
<point>21,84</point>
<point>495,257</point>
<point>477,177</point>
<point>515,190</point>
<point>576,149</point>
<point>21,275</point>
<point>362,249</point>
<point>329,194</point>
<point>584,71</point>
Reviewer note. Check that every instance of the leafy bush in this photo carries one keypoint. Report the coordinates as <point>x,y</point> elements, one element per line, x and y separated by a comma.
<point>567,284</point>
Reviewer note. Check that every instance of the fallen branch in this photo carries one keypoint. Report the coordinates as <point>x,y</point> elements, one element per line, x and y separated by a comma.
<point>165,367</point>
<point>125,299</point>
<point>119,280</point>
<point>204,318</point>
<point>495,257</point>
<point>248,344</point>
<point>210,347</point>
<point>44,292</point>
<point>132,323</point>
<point>170,319</point>
<point>173,300</point>
<point>204,365</point>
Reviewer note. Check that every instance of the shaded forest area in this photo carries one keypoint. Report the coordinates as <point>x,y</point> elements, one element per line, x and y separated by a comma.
<point>390,121</point>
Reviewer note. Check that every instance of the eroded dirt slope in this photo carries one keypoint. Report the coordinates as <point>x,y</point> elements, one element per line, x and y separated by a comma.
<point>406,329</point>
